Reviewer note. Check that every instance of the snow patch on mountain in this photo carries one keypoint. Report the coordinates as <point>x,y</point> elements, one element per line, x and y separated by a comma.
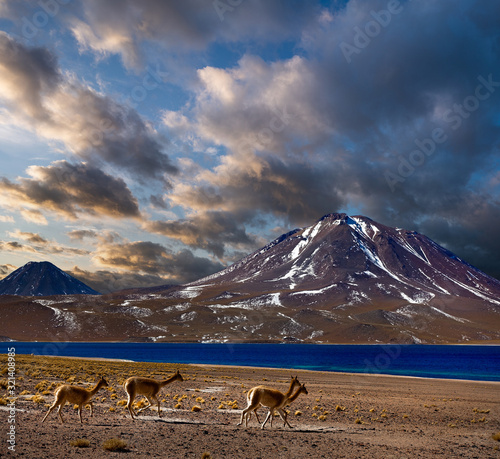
<point>458,319</point>
<point>62,318</point>
<point>314,292</point>
<point>418,298</point>
<point>189,292</point>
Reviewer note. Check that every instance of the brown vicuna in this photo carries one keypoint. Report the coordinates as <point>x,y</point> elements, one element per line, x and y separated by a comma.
<point>149,388</point>
<point>273,399</point>
<point>294,382</point>
<point>76,395</point>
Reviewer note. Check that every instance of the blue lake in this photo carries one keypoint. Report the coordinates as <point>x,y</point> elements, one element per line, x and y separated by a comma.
<point>480,363</point>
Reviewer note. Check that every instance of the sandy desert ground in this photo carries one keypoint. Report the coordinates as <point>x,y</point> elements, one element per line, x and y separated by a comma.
<point>342,416</point>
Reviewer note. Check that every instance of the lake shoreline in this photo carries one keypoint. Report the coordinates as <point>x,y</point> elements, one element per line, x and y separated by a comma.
<point>431,361</point>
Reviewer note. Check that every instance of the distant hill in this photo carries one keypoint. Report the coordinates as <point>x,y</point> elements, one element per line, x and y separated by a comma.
<point>42,279</point>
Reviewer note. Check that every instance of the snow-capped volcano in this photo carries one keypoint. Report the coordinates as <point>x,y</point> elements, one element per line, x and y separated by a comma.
<point>354,259</point>
<point>42,279</point>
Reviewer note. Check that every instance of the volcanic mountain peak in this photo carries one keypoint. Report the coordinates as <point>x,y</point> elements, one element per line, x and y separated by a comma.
<point>363,259</point>
<point>42,279</point>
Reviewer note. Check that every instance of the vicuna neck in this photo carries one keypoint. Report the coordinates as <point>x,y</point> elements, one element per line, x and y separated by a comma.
<point>97,387</point>
<point>295,395</point>
<point>169,380</point>
<point>290,389</point>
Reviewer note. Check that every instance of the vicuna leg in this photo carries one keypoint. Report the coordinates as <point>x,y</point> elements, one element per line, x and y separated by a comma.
<point>52,408</point>
<point>131,397</point>
<point>59,412</point>
<point>248,411</point>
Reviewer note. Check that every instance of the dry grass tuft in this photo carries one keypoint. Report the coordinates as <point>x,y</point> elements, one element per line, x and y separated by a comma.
<point>140,404</point>
<point>114,444</point>
<point>80,443</point>
<point>37,399</point>
<point>196,408</point>
<point>477,410</point>
<point>496,436</point>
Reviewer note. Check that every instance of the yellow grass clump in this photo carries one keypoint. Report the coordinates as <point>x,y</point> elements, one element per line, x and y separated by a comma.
<point>37,399</point>
<point>80,443</point>
<point>140,404</point>
<point>114,444</point>
<point>477,410</point>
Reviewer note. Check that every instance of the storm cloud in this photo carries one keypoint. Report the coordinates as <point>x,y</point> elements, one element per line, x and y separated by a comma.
<point>71,190</point>
<point>155,259</point>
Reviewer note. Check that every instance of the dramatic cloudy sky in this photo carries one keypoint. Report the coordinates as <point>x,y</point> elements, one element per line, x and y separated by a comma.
<point>154,141</point>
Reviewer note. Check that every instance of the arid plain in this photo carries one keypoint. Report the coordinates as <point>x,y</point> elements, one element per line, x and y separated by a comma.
<point>342,416</point>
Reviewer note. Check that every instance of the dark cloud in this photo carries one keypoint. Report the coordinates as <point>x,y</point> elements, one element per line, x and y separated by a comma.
<point>12,246</point>
<point>154,259</point>
<point>38,244</point>
<point>5,270</point>
<point>109,281</point>
<point>211,231</point>
<point>70,190</point>
<point>82,234</point>
<point>29,74</point>
<point>30,237</point>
